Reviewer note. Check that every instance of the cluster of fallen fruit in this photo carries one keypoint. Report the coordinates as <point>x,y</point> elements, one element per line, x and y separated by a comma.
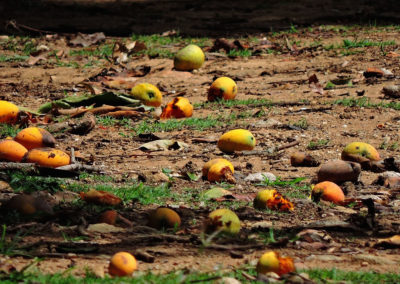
<point>35,145</point>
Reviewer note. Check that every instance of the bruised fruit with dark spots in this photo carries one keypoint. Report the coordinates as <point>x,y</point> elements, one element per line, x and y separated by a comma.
<point>35,137</point>
<point>47,157</point>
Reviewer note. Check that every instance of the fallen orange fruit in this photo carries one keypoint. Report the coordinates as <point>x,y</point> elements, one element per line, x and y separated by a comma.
<point>35,137</point>
<point>222,88</point>
<point>328,191</point>
<point>179,107</point>
<point>122,264</point>
<point>47,157</point>
<point>12,151</point>
<point>8,112</point>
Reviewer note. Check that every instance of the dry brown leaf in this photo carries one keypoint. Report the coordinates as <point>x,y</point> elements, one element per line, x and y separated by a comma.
<point>86,40</point>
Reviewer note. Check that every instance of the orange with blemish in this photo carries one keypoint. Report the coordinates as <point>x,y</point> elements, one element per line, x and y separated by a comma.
<point>47,157</point>
<point>122,264</point>
<point>35,137</point>
<point>328,191</point>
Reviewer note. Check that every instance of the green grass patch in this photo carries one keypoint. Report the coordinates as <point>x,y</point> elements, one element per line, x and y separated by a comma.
<point>313,145</point>
<point>350,44</point>
<point>145,194</point>
<point>334,275</point>
<point>102,51</point>
<point>365,102</point>
<point>194,123</point>
<point>8,130</point>
<point>28,275</point>
<point>23,182</point>
<point>13,58</point>
<point>233,103</point>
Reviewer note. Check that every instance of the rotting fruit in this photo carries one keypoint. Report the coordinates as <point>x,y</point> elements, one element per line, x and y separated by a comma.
<point>270,198</point>
<point>9,112</point>
<point>12,151</point>
<point>35,137</point>
<point>179,107</point>
<point>212,162</point>
<point>271,261</point>
<point>47,157</point>
<point>164,218</point>
<point>236,140</point>
<point>222,88</point>
<point>365,150</point>
<point>122,264</point>
<point>221,171</point>
<point>189,58</point>
<point>148,94</point>
<point>223,220</point>
<point>328,191</point>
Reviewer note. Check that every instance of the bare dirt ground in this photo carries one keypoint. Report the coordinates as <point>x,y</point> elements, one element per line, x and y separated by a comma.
<point>343,238</point>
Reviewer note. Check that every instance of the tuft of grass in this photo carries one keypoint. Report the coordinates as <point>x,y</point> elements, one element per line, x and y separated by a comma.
<point>8,130</point>
<point>350,44</point>
<point>365,102</point>
<point>301,123</point>
<point>232,103</point>
<point>313,145</point>
<point>240,53</point>
<point>13,58</point>
<point>23,182</point>
<point>102,51</point>
<point>335,275</point>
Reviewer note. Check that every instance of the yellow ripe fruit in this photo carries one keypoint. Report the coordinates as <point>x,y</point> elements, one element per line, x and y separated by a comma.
<point>189,58</point>
<point>12,151</point>
<point>272,262</point>
<point>360,148</point>
<point>262,197</point>
<point>164,218</point>
<point>212,162</point>
<point>8,112</point>
<point>148,94</point>
<point>47,157</point>
<point>179,107</point>
<point>268,262</point>
<point>222,88</point>
<point>236,140</point>
<point>122,264</point>
<point>225,220</point>
<point>34,137</point>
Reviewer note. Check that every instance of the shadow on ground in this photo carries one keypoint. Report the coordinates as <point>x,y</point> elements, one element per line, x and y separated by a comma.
<point>195,18</point>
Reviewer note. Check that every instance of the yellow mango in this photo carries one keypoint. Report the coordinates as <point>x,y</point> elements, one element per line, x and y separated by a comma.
<point>222,88</point>
<point>189,58</point>
<point>236,140</point>
<point>362,149</point>
<point>148,94</point>
<point>224,220</point>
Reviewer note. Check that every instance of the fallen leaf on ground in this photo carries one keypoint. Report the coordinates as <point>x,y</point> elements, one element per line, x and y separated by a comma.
<point>86,40</point>
<point>163,145</point>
